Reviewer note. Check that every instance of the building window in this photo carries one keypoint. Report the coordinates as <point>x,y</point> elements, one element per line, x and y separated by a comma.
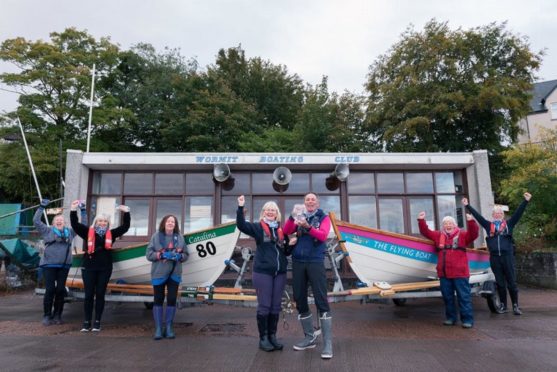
<point>199,213</point>
<point>390,183</point>
<point>169,184</point>
<point>391,217</point>
<point>165,207</point>
<point>418,205</point>
<point>553,111</point>
<point>107,183</point>
<point>363,210</point>
<point>138,183</point>
<point>419,183</point>
<point>139,210</point>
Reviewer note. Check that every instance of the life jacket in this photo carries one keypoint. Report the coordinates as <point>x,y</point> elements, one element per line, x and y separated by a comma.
<point>267,231</point>
<point>502,227</point>
<point>172,244</point>
<point>91,240</point>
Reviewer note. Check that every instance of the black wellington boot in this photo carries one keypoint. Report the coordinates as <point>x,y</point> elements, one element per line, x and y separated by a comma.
<point>272,331</point>
<point>264,343</point>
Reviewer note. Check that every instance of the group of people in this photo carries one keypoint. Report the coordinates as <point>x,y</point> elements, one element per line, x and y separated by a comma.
<point>96,263</point>
<point>452,262</point>
<point>302,235</point>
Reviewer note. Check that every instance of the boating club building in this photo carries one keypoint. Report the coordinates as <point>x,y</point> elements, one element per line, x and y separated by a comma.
<point>380,190</point>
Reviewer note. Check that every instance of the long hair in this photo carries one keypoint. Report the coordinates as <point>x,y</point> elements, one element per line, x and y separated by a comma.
<point>163,223</point>
<point>270,204</point>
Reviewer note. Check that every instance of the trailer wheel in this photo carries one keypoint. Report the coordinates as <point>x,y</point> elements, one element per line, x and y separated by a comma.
<point>491,295</point>
<point>148,305</point>
<point>399,301</point>
<point>493,302</point>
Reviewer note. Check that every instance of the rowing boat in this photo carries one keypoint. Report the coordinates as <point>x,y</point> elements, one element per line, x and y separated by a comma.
<point>208,250</point>
<point>381,256</point>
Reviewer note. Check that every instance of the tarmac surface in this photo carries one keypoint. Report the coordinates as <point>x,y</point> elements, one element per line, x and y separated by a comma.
<point>367,337</point>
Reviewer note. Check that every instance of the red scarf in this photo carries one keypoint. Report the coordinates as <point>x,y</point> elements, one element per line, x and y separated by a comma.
<point>453,238</point>
<point>267,231</point>
<point>91,240</point>
<point>502,228</point>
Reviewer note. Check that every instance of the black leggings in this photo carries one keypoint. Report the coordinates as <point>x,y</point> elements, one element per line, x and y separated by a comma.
<point>95,282</point>
<point>312,273</point>
<point>55,290</point>
<point>171,296</point>
<point>505,277</point>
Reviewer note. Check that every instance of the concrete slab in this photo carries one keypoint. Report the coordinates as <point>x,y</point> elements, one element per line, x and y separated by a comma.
<point>218,338</point>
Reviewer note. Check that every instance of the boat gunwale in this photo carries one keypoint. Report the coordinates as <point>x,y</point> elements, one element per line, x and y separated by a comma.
<point>144,244</point>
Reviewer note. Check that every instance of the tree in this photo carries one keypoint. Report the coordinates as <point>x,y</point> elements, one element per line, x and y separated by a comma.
<point>444,90</point>
<point>275,94</point>
<point>534,169</point>
<point>54,82</point>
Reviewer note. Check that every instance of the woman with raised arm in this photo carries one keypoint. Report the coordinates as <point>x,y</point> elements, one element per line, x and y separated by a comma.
<point>97,260</point>
<point>55,263</point>
<point>269,269</point>
<point>452,265</point>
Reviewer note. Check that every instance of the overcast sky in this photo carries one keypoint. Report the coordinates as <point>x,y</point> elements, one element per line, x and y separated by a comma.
<point>336,38</point>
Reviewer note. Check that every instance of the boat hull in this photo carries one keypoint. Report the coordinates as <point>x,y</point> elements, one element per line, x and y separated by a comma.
<point>208,249</point>
<point>381,256</point>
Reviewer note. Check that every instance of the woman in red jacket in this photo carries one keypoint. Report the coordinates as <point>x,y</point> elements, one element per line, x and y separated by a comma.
<point>452,266</point>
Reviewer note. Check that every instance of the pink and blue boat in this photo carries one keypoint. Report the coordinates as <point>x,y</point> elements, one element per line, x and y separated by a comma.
<point>380,256</point>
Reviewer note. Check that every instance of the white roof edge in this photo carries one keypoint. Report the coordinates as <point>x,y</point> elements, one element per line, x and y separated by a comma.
<point>173,158</point>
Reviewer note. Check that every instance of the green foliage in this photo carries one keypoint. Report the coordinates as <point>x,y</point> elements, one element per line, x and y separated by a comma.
<point>54,79</point>
<point>534,169</point>
<point>444,90</point>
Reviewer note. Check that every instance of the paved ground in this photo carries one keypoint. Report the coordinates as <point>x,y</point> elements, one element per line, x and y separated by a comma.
<point>367,337</point>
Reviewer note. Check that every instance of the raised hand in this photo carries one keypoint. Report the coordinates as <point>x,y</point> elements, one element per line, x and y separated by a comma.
<point>44,202</point>
<point>421,215</point>
<point>123,208</point>
<point>527,196</point>
<point>465,202</point>
<point>241,200</point>
<point>74,205</point>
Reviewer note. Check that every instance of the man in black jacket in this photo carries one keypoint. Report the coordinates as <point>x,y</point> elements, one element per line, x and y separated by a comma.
<point>501,248</point>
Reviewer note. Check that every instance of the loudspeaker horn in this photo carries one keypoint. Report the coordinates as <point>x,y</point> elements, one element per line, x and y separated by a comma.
<point>282,176</point>
<point>341,172</point>
<point>221,172</point>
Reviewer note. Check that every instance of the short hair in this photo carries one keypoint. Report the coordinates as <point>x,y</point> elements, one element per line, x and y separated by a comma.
<point>101,216</point>
<point>270,204</point>
<point>448,218</point>
<point>497,208</point>
<point>311,193</point>
<point>163,224</point>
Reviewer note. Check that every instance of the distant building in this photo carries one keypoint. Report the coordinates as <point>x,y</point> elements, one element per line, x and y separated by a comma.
<point>543,112</point>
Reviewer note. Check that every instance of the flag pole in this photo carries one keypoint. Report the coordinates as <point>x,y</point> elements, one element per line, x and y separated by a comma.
<point>91,108</point>
<point>32,167</point>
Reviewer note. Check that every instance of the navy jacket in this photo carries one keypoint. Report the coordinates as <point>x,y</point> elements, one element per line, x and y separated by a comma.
<point>501,243</point>
<point>270,257</point>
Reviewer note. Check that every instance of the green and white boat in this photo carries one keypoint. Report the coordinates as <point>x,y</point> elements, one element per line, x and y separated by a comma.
<point>208,250</point>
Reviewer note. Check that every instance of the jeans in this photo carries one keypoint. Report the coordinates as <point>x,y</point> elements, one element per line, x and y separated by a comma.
<point>462,288</point>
